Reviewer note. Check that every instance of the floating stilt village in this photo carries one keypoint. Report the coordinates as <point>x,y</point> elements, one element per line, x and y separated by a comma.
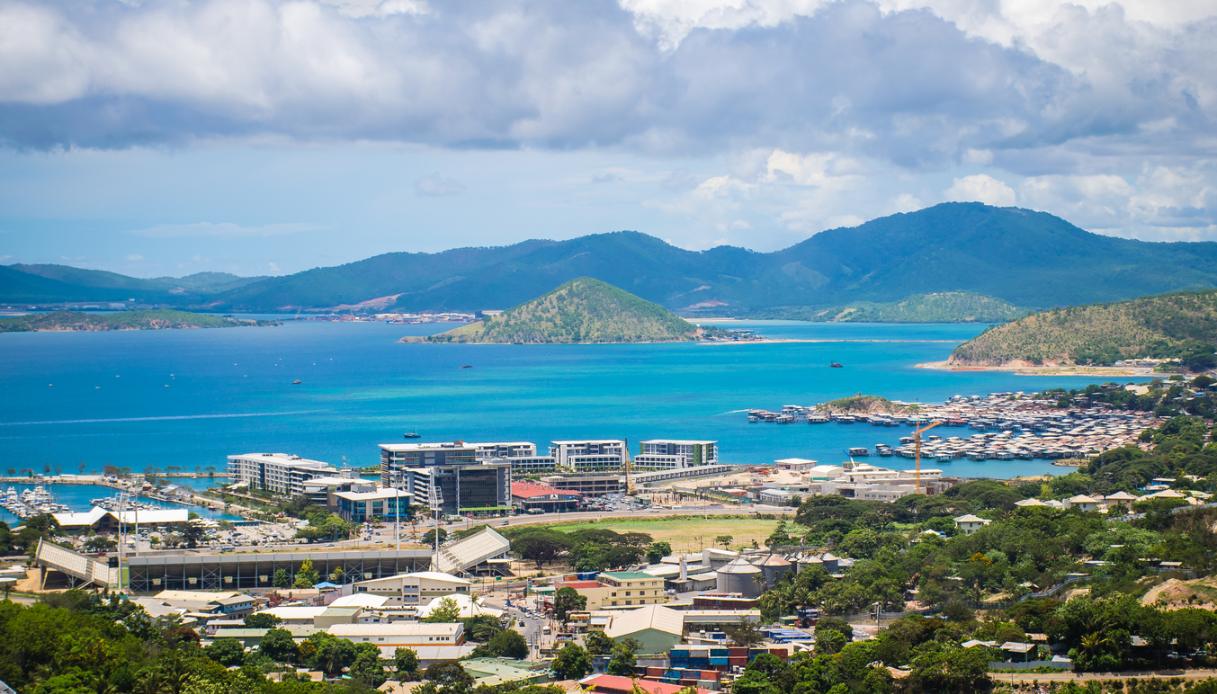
<point>1010,426</point>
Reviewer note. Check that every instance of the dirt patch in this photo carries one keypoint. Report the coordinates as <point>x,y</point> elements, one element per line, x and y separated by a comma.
<point>1176,594</point>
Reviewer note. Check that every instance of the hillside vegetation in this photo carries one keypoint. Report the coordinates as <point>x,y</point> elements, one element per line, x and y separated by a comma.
<point>936,307</point>
<point>867,404</point>
<point>584,310</point>
<point>1172,326</point>
<point>72,321</point>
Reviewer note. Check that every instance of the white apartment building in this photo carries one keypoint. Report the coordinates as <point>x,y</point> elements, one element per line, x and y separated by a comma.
<point>589,456</point>
<point>522,455</point>
<point>865,481</point>
<point>402,634</point>
<point>278,473</point>
<point>675,454</point>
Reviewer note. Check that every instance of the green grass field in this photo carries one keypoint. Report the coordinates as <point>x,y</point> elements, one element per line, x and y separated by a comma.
<point>686,533</point>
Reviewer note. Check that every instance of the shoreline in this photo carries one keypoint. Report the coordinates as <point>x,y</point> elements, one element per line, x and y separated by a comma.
<point>1027,370</point>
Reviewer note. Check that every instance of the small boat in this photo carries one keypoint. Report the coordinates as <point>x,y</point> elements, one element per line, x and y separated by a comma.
<point>857,451</point>
<point>411,435</point>
<point>836,365</point>
<point>297,382</point>
<point>466,366</point>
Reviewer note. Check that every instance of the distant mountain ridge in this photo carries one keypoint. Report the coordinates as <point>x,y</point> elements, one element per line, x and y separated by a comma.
<point>159,319</point>
<point>1173,326</point>
<point>1021,257</point>
<point>584,310</point>
<point>49,283</point>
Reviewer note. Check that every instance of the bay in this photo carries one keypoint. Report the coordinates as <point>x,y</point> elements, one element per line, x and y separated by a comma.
<point>184,399</point>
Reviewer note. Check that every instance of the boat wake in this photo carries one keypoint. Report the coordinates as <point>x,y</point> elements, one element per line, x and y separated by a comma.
<point>162,418</point>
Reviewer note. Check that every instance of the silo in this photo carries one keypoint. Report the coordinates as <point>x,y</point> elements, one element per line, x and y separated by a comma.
<point>740,577</point>
<point>775,568</point>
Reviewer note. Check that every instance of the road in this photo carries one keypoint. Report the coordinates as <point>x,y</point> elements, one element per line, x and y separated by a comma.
<point>1042,677</point>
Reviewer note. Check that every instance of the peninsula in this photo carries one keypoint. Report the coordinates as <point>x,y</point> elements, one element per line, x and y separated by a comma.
<point>933,307</point>
<point>163,319</point>
<point>584,310</point>
<point>1179,328</point>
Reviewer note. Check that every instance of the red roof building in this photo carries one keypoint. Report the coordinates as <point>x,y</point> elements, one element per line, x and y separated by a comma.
<point>615,684</point>
<point>533,495</point>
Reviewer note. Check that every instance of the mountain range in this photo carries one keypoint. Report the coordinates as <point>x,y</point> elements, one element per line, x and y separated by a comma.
<point>1021,257</point>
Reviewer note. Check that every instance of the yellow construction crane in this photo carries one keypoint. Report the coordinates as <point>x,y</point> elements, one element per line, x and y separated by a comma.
<point>629,476</point>
<point>917,453</point>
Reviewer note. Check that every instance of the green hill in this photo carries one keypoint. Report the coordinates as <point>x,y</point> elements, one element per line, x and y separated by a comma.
<point>72,321</point>
<point>1021,257</point>
<point>1171,326</point>
<point>584,310</point>
<point>938,307</point>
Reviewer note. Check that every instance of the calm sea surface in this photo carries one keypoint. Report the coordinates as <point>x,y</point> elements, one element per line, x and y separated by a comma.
<point>79,401</point>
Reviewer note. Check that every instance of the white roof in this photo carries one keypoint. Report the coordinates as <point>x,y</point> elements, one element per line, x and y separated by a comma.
<point>1167,494</point>
<point>1082,499</point>
<point>1121,496</point>
<point>1029,502</point>
<point>442,446</point>
<point>969,518</point>
<point>360,600</point>
<point>78,519</point>
<point>575,442</point>
<point>795,461</point>
<point>655,617</point>
<point>155,517</point>
<point>283,459</point>
<point>290,613</point>
<point>399,629</point>
<point>470,551</point>
<point>680,442</point>
<point>379,493</point>
<point>147,516</point>
<point>469,608</point>
<point>198,595</point>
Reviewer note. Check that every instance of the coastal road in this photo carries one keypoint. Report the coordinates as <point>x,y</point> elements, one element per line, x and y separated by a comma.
<point>583,516</point>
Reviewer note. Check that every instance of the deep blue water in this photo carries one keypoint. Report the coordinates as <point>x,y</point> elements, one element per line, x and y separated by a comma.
<point>79,401</point>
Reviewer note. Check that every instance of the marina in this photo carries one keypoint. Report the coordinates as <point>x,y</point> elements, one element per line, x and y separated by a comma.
<point>1009,426</point>
<point>30,502</point>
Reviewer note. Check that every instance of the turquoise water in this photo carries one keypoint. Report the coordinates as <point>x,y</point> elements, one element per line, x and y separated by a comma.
<point>78,496</point>
<point>186,399</point>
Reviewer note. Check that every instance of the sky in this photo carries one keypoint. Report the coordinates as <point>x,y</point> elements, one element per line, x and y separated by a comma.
<point>164,137</point>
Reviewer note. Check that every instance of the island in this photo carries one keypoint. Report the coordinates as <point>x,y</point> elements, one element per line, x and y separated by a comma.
<point>581,311</point>
<point>156,319</point>
<point>1177,330</point>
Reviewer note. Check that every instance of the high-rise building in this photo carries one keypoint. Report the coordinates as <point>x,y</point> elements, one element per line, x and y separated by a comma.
<point>279,473</point>
<point>449,475</point>
<point>674,454</point>
<point>588,456</point>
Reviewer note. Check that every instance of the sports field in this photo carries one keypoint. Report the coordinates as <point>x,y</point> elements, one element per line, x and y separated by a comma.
<point>687,533</point>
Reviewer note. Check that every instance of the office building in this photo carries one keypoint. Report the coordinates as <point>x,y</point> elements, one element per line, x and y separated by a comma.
<point>449,476</point>
<point>278,473</point>
<point>674,454</point>
<point>620,589</point>
<point>384,503</point>
<point>589,456</point>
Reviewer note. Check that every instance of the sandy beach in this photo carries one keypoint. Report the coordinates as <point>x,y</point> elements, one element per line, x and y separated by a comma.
<point>1047,370</point>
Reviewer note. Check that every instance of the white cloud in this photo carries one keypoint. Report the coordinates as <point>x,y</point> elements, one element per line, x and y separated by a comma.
<point>435,185</point>
<point>221,230</point>
<point>980,188</point>
<point>134,257</point>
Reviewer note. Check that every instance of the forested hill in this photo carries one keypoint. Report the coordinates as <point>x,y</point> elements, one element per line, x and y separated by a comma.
<point>163,319</point>
<point>1020,257</point>
<point>1182,326</point>
<point>584,310</point>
